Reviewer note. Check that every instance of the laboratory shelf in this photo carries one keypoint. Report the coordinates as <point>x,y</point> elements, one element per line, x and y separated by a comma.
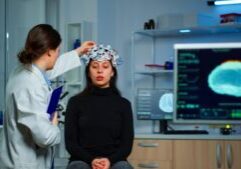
<point>153,72</point>
<point>184,31</point>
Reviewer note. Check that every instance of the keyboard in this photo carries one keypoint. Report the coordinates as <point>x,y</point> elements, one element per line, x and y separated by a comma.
<point>186,132</point>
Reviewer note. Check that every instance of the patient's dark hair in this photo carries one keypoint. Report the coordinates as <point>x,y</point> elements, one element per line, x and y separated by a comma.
<point>40,38</point>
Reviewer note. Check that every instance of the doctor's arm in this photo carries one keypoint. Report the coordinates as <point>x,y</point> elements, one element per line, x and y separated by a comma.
<point>69,60</point>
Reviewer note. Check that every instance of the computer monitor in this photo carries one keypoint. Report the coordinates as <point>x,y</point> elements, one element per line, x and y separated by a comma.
<point>207,83</point>
<point>154,104</point>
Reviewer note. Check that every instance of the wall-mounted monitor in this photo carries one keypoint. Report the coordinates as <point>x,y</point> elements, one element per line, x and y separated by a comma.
<point>207,83</point>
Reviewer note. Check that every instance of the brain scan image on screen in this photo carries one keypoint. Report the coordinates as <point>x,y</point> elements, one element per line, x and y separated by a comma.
<point>225,79</point>
<point>166,102</point>
<point>207,83</point>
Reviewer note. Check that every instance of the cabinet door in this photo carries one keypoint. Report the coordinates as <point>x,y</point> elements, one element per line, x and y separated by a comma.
<point>198,154</point>
<point>233,154</point>
<point>151,154</point>
<point>183,155</point>
<point>215,154</point>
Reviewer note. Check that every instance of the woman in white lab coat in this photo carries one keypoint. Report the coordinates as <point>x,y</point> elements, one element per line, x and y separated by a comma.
<point>28,135</point>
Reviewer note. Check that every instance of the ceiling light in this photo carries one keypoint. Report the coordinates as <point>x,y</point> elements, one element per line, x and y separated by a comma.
<point>223,2</point>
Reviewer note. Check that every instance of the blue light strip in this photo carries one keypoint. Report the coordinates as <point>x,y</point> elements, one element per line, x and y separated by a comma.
<point>184,30</point>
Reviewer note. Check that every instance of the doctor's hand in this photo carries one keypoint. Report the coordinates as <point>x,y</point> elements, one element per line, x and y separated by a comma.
<point>84,48</point>
<point>55,120</point>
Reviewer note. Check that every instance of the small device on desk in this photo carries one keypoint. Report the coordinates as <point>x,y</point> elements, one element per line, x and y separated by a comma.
<point>227,130</point>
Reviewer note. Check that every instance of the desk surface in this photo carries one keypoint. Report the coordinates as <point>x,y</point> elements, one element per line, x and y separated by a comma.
<point>187,137</point>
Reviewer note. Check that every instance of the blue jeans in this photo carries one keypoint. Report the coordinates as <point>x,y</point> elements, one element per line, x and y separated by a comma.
<point>84,165</point>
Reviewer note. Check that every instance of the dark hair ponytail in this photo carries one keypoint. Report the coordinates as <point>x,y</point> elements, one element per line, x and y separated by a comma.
<point>25,57</point>
<point>40,38</point>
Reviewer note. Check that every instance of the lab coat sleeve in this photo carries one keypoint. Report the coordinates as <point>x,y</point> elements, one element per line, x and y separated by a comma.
<point>64,63</point>
<point>31,112</point>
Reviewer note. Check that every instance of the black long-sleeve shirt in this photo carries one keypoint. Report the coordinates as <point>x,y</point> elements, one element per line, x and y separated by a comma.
<point>99,125</point>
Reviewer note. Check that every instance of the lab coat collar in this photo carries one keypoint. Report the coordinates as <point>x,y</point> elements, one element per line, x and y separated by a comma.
<point>45,76</point>
<point>37,72</point>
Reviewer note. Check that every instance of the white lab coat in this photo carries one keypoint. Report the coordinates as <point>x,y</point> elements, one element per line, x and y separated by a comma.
<point>28,136</point>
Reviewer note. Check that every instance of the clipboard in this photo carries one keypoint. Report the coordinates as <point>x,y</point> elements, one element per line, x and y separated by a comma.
<point>54,100</point>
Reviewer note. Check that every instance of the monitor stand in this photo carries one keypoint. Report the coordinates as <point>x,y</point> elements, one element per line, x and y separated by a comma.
<point>163,125</point>
<point>163,129</point>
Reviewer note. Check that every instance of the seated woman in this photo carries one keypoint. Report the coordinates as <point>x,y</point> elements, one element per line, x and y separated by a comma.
<point>99,122</point>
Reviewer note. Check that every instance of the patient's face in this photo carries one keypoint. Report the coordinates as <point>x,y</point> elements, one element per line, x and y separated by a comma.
<point>100,73</point>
